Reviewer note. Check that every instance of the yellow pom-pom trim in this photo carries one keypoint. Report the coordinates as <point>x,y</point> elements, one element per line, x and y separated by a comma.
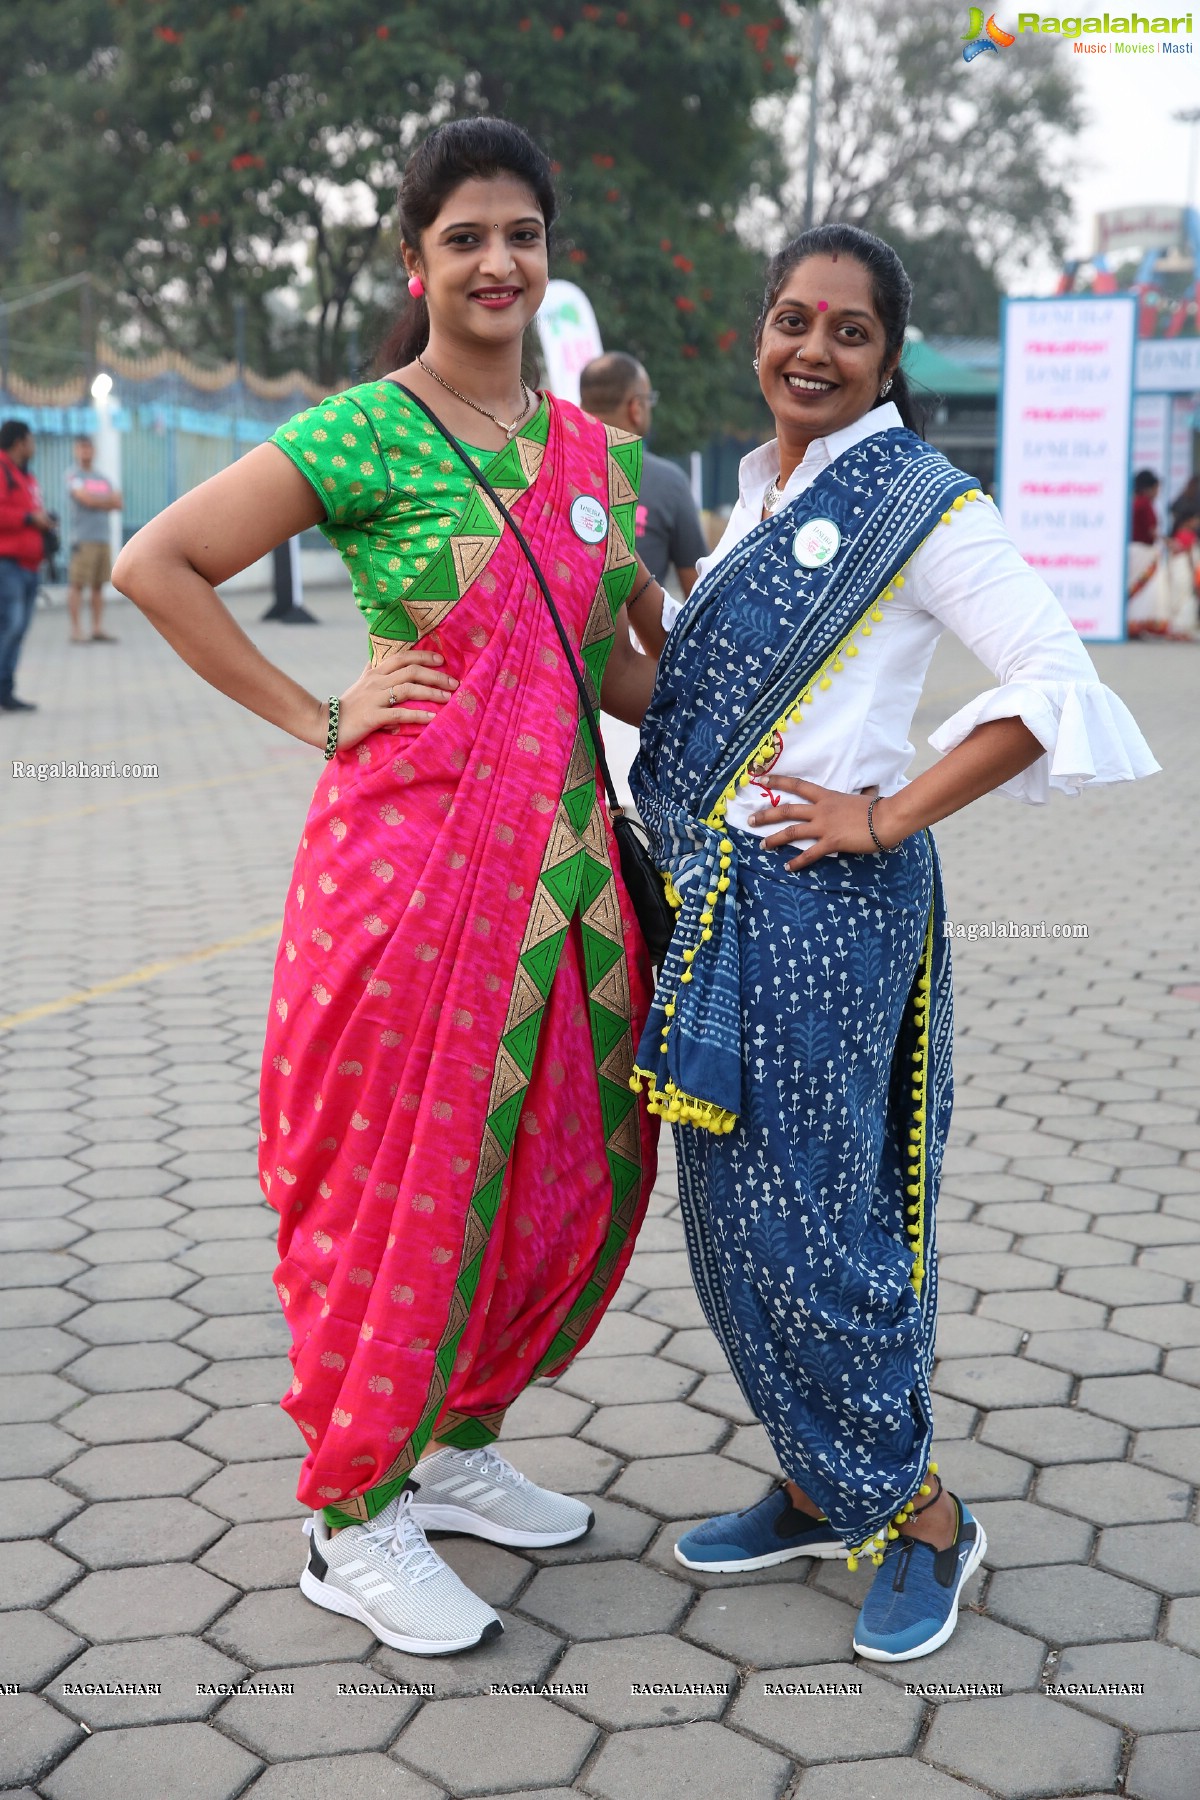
<point>680,1108</point>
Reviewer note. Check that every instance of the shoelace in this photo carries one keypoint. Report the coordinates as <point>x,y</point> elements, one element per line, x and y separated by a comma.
<point>494,1466</point>
<point>404,1543</point>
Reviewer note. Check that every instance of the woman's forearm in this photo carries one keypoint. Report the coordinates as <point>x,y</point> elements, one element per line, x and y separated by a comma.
<point>188,612</point>
<point>992,754</point>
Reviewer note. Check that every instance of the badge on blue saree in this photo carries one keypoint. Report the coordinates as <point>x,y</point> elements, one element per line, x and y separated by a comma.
<point>816,543</point>
<point>589,520</point>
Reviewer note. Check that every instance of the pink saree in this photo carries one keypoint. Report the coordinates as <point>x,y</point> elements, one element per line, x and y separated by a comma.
<point>447,1127</point>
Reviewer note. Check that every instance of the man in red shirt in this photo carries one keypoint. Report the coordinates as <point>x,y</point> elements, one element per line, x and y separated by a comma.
<point>23,519</point>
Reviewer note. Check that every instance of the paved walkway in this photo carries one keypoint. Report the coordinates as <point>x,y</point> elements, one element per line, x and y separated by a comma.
<point>150,1535</point>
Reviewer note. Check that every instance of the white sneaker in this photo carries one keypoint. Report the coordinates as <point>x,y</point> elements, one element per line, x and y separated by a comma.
<point>478,1492</point>
<point>386,1576</point>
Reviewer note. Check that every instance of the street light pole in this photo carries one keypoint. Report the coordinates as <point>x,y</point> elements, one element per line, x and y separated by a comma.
<point>814,70</point>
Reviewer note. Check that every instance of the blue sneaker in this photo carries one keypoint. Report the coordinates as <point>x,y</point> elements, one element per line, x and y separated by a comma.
<point>772,1532</point>
<point>912,1605</point>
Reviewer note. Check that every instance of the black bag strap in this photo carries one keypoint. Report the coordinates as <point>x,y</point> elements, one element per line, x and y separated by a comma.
<point>614,803</point>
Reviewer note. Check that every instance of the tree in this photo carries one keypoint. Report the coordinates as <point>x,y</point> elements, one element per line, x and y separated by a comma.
<point>243,159</point>
<point>963,167</point>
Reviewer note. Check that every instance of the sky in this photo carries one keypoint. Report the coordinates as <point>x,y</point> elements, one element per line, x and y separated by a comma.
<point>1133,152</point>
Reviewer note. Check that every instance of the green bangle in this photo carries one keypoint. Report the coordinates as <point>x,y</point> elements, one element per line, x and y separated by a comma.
<point>331,736</point>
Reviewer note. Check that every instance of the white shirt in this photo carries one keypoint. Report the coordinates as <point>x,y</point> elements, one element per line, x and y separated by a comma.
<point>967,577</point>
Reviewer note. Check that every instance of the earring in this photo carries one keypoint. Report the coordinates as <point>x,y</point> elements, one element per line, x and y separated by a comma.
<point>416,286</point>
<point>755,365</point>
<point>886,389</point>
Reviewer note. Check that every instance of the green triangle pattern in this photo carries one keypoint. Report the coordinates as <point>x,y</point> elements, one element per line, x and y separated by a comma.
<point>615,1103</point>
<point>477,521</point>
<point>578,803</point>
<point>521,1043</point>
<point>541,962</point>
<point>599,955</point>
<point>506,470</point>
<point>617,585</point>
<point>608,1028</point>
<point>625,1177</point>
<point>626,517</point>
<point>487,1201</point>
<point>469,1434</point>
<point>628,457</point>
<point>468,1279</point>
<point>503,1122</point>
<point>393,622</point>
<point>596,877</point>
<point>564,881</point>
<point>439,581</point>
<point>596,657</point>
<point>538,428</point>
<point>443,1362</point>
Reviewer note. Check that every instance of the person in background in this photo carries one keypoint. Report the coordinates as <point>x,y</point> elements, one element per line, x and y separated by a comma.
<point>23,519</point>
<point>615,388</point>
<point>1179,574</point>
<point>92,498</point>
<point>1144,588</point>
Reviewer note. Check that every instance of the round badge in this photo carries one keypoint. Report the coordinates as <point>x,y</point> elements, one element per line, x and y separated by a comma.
<point>589,520</point>
<point>816,543</point>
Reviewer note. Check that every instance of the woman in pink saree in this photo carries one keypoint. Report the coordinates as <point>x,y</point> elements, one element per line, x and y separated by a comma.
<point>447,1126</point>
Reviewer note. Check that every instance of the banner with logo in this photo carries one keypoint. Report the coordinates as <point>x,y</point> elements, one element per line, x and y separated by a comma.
<point>569,337</point>
<point>1066,415</point>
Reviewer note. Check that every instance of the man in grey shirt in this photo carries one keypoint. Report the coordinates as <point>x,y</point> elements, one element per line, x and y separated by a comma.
<point>92,498</point>
<point>615,387</point>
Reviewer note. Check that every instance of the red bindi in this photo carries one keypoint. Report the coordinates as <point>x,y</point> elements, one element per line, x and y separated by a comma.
<point>822,306</point>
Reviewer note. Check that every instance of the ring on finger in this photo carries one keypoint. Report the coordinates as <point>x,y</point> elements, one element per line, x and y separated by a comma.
<point>391,696</point>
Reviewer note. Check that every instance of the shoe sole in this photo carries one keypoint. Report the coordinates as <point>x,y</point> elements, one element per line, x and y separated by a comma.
<point>826,1553</point>
<point>459,1519</point>
<point>939,1638</point>
<point>333,1600</point>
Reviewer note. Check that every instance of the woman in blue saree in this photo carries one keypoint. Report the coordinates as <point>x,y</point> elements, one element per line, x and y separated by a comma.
<point>800,1039</point>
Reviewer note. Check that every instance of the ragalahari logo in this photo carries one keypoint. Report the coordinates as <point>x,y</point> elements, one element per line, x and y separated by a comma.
<point>981,37</point>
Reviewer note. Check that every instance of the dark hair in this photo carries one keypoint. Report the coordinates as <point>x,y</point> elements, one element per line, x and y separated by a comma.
<point>14,431</point>
<point>1144,480</point>
<point>607,381</point>
<point>460,150</point>
<point>81,437</point>
<point>891,292</point>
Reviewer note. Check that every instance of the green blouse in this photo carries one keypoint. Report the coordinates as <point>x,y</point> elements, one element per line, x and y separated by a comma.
<point>395,498</point>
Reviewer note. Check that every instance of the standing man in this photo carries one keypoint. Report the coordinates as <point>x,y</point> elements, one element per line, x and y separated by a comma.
<point>23,519</point>
<point>615,387</point>
<point>92,497</point>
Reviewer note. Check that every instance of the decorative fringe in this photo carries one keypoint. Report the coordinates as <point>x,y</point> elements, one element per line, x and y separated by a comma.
<point>672,1104</point>
<point>876,1545</point>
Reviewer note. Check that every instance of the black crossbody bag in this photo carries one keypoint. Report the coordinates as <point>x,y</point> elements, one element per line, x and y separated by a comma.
<point>646,887</point>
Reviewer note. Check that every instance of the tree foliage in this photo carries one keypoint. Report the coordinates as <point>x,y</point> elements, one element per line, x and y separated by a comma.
<point>208,163</point>
<point>965,167</point>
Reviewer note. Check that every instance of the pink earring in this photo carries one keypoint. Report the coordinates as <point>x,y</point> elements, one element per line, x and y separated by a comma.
<point>416,286</point>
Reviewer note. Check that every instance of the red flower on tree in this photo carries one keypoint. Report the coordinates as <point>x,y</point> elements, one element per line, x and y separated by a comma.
<point>246,160</point>
<point>524,24</point>
<point>613,194</point>
<point>382,31</point>
<point>689,350</point>
<point>727,339</point>
<point>601,161</point>
<point>664,243</point>
<point>685,19</point>
<point>759,36</point>
<point>684,263</point>
<point>684,304</point>
<point>577,256</point>
<point>556,31</point>
<point>167,35</point>
<point>591,12</point>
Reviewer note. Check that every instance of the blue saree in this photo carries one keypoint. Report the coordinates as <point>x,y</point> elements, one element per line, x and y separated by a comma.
<point>800,1038</point>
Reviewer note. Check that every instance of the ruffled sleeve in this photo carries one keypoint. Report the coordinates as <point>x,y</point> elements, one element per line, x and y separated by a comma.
<point>974,581</point>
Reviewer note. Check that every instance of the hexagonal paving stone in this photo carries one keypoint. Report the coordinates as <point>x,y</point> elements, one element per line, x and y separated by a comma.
<point>1072,1605</point>
<point>117,1533</point>
<point>178,1667</point>
<point>881,1720</point>
<point>1123,1287</point>
<point>619,1534</point>
<point>641,1430</point>
<point>270,1554</point>
<point>128,1417</point>
<point>1174,1452</point>
<point>611,1672</point>
<point>617,1380</point>
<point>1053,1434</point>
<point>757,1625</point>
<point>993,1381</point>
<point>33,1648</point>
<point>33,1739</point>
<point>677,1308</point>
<point>968,1335</point>
<point>1092,1352</point>
<point>253,1490</point>
<point>1023,1745</point>
<point>133,1321</point>
<point>33,1573</point>
<point>981,1650</point>
<point>1174,1327</point>
<point>266,1630</point>
<point>1021,1535</point>
<point>333,1778</point>
<point>122,1368</point>
<point>523,1655</point>
<point>1169,1678</point>
<point>562,1463</point>
<point>34,1508</point>
<point>890,1778</point>
<point>697,1349</point>
<point>598,1600</point>
<point>1166,1557</point>
<point>528,1740</point>
<point>1183,1624</point>
<point>247,1434</point>
<point>137,1471</point>
<point>545,1411</point>
<point>686,1762</point>
<point>142,1763</point>
<point>1164,1767</point>
<point>711,1484</point>
<point>978,1472</point>
<point>316,1719</point>
<point>243,1382</point>
<point>34,1449</point>
<point>29,1397</point>
<point>1110,1493</point>
<point>1042,1312</point>
<point>144,1602</point>
<point>243,1334</point>
<point>40,1351</point>
<point>495,1574</point>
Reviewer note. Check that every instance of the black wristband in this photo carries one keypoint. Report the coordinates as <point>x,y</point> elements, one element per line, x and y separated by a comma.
<point>882,847</point>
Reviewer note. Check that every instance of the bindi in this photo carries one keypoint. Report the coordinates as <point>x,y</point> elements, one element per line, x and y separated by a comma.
<point>822,306</point>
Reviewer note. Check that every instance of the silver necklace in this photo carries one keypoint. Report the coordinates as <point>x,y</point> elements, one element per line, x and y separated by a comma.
<point>510,431</point>
<point>772,497</point>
